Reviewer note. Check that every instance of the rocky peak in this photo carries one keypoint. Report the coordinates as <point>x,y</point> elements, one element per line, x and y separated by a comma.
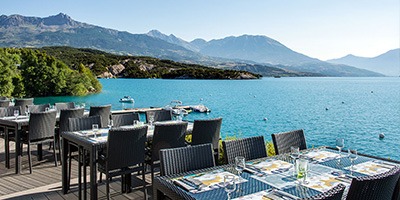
<point>60,19</point>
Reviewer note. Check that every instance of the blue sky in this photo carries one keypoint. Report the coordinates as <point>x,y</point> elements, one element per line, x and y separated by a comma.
<point>323,29</point>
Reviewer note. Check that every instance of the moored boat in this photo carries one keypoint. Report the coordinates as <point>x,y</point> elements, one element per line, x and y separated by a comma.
<point>127,99</point>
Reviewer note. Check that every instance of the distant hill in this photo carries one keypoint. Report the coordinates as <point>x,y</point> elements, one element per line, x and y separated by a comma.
<point>266,51</point>
<point>387,63</point>
<point>61,30</point>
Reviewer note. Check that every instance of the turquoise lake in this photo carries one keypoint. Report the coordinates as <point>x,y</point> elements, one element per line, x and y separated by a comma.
<point>358,108</point>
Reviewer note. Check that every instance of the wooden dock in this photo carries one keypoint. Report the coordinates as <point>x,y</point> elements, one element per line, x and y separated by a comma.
<point>45,180</point>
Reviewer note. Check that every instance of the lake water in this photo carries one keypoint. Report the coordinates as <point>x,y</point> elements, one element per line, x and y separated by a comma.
<point>370,106</point>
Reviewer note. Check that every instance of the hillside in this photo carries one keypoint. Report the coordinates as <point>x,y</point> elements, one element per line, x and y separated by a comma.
<point>61,30</point>
<point>106,65</point>
<point>387,63</point>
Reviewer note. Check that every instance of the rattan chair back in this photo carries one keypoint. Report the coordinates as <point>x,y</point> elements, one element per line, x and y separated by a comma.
<point>103,111</point>
<point>207,131</point>
<point>4,103</point>
<point>62,106</point>
<point>9,111</point>
<point>4,98</point>
<point>65,114</point>
<point>23,103</point>
<point>380,186</point>
<point>250,148</point>
<point>167,136</point>
<point>159,115</point>
<point>283,141</point>
<point>184,159</point>
<point>42,125</point>
<point>125,147</point>
<point>83,123</point>
<point>335,193</point>
<point>124,119</point>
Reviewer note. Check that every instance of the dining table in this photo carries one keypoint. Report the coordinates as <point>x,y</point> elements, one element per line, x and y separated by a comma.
<point>273,177</point>
<point>91,142</point>
<point>16,125</point>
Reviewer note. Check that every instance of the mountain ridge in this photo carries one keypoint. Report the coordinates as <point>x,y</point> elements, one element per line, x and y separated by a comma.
<point>62,30</point>
<point>387,63</point>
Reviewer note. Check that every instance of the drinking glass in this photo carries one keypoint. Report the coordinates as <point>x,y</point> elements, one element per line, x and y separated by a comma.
<point>16,113</point>
<point>27,111</point>
<point>47,109</point>
<point>135,122</point>
<point>181,115</point>
<point>95,129</point>
<point>83,105</point>
<point>151,119</point>
<point>340,145</point>
<point>303,169</point>
<point>240,165</point>
<point>110,123</point>
<point>352,156</point>
<point>229,184</point>
<point>294,154</point>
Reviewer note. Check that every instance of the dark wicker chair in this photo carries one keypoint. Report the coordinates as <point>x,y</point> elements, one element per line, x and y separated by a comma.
<point>23,103</point>
<point>41,130</point>
<point>283,141</point>
<point>62,106</point>
<point>159,115</point>
<point>165,136</point>
<point>334,193</point>
<point>4,98</point>
<point>124,119</point>
<point>65,114</point>
<point>250,148</point>
<point>380,186</point>
<point>125,154</point>
<point>103,111</point>
<point>4,103</point>
<point>207,131</point>
<point>184,159</point>
<point>37,108</point>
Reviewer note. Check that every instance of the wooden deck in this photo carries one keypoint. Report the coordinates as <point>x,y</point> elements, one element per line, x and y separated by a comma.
<point>45,180</point>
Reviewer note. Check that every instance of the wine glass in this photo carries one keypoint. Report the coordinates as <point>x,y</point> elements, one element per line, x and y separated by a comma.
<point>340,145</point>
<point>240,165</point>
<point>16,113</point>
<point>27,111</point>
<point>135,122</point>
<point>229,184</point>
<point>110,123</point>
<point>352,156</point>
<point>181,114</point>
<point>95,129</point>
<point>294,154</point>
<point>47,109</point>
<point>83,105</point>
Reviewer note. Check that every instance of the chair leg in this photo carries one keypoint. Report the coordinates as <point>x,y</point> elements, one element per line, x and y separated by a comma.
<point>7,149</point>
<point>100,180</point>
<point>69,163</point>
<point>84,173</point>
<point>152,172</point>
<point>55,154</point>
<point>108,186</point>
<point>59,149</point>
<point>144,181</point>
<point>79,174</point>
<point>29,157</point>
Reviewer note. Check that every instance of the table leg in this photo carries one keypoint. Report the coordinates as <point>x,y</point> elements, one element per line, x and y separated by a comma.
<point>65,166</point>
<point>17,151</point>
<point>7,147</point>
<point>40,152</point>
<point>93,173</point>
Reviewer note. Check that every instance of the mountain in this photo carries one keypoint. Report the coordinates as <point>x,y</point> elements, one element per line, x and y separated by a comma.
<point>387,63</point>
<point>61,30</point>
<point>262,50</point>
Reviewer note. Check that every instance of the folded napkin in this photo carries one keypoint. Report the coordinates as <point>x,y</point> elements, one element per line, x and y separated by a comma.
<point>279,195</point>
<point>183,185</point>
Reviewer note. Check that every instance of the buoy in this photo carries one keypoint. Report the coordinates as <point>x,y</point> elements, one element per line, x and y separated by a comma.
<point>342,101</point>
<point>372,91</point>
<point>250,93</point>
<point>326,108</point>
<point>210,95</point>
<point>381,135</point>
<point>255,96</point>
<point>201,99</point>
<point>265,119</point>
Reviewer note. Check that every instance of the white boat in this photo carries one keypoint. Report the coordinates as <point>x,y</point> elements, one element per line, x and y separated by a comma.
<point>127,99</point>
<point>176,108</point>
<point>200,108</point>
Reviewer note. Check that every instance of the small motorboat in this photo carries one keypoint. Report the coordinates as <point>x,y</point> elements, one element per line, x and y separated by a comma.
<point>176,108</point>
<point>200,108</point>
<point>127,99</point>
